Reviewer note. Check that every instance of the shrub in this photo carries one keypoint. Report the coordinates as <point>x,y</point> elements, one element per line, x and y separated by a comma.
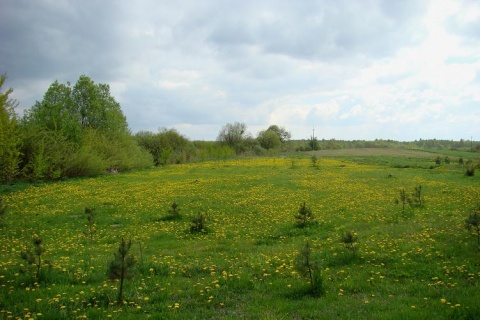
<point>470,172</point>
<point>314,161</point>
<point>91,214</point>
<point>304,216</point>
<point>473,222</point>
<point>310,269</point>
<point>198,224</point>
<point>173,213</point>
<point>349,239</point>
<point>3,209</point>
<point>34,257</point>
<point>121,267</point>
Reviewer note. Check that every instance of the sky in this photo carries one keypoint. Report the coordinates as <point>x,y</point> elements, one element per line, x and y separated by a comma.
<point>352,69</point>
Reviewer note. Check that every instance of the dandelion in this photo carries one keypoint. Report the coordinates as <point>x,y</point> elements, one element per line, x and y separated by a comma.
<point>443,300</point>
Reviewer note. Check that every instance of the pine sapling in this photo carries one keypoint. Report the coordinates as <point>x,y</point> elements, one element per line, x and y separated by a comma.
<point>91,215</point>
<point>198,224</point>
<point>304,216</point>
<point>34,257</point>
<point>122,266</point>
<point>417,198</point>
<point>403,199</point>
<point>349,239</point>
<point>3,209</point>
<point>473,222</point>
<point>310,269</point>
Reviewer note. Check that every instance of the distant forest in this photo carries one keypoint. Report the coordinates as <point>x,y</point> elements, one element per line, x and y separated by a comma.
<point>80,130</point>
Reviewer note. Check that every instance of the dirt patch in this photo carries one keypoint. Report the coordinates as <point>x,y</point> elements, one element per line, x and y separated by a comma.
<point>378,152</point>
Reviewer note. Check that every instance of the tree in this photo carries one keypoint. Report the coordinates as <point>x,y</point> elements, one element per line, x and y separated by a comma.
<point>310,269</point>
<point>34,257</point>
<point>233,134</point>
<point>9,135</point>
<point>121,267</point>
<point>78,131</point>
<point>166,146</point>
<point>269,139</point>
<point>473,222</point>
<point>96,108</point>
<point>281,132</point>
<point>304,216</point>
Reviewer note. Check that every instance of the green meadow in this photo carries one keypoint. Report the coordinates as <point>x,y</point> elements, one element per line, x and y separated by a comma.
<point>416,263</point>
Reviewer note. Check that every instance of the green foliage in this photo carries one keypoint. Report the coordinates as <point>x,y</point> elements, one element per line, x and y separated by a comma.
<point>269,139</point>
<point>9,135</point>
<point>166,146</point>
<point>197,224</point>
<point>403,199</point>
<point>90,214</point>
<point>470,172</point>
<point>417,198</point>
<point>78,131</point>
<point>173,213</point>
<point>304,216</point>
<point>473,223</point>
<point>349,240</point>
<point>122,266</point>
<point>34,257</point>
<point>314,160</point>
<point>3,209</point>
<point>310,269</point>
<point>233,135</point>
<point>281,133</point>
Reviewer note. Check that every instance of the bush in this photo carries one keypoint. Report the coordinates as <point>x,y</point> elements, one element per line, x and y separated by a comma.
<point>304,216</point>
<point>198,224</point>
<point>470,172</point>
<point>173,213</point>
<point>310,269</point>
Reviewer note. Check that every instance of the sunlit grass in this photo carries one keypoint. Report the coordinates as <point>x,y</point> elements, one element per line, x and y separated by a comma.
<point>422,264</point>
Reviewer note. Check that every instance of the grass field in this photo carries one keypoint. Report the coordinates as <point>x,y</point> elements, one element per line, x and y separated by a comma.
<point>420,264</point>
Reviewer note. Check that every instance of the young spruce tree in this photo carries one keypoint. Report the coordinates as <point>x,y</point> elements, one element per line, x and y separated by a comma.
<point>122,266</point>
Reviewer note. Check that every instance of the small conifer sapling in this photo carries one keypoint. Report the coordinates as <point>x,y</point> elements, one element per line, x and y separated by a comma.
<point>310,269</point>
<point>473,222</point>
<point>34,257</point>
<point>304,216</point>
<point>122,266</point>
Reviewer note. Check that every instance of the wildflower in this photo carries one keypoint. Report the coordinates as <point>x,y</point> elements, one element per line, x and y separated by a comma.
<point>443,300</point>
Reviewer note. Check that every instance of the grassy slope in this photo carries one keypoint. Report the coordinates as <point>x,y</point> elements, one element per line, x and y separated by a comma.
<point>243,268</point>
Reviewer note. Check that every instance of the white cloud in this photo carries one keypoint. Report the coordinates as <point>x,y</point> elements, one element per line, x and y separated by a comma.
<point>354,69</point>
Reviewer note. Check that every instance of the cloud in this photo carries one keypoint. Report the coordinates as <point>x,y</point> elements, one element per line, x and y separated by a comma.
<point>354,68</point>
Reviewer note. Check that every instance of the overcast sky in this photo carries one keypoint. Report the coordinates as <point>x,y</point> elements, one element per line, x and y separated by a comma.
<point>366,69</point>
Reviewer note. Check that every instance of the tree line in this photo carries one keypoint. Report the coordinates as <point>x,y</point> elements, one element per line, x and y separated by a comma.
<point>80,130</point>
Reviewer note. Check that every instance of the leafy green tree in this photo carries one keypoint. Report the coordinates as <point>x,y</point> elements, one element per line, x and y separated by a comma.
<point>122,266</point>
<point>233,135</point>
<point>9,135</point>
<point>77,131</point>
<point>167,146</point>
<point>269,139</point>
<point>281,132</point>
